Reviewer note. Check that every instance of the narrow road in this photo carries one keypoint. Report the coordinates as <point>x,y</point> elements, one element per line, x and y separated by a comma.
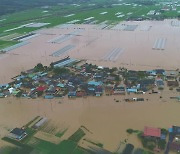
<point>170,140</point>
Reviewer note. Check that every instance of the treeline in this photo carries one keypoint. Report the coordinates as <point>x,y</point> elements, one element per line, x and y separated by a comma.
<point>143,2</point>
<point>10,6</point>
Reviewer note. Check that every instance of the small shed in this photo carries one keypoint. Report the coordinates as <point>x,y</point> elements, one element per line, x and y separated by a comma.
<point>48,96</point>
<point>128,149</point>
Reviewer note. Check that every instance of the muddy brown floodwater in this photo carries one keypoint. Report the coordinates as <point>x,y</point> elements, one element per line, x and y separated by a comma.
<point>107,119</point>
<point>94,44</point>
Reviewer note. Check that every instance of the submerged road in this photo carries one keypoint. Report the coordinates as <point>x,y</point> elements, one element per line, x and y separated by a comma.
<point>170,140</point>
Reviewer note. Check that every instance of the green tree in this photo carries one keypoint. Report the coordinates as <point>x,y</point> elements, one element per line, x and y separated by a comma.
<point>40,93</point>
<point>164,131</point>
<point>113,69</point>
<point>60,70</point>
<point>19,94</point>
<point>52,66</point>
<point>130,131</point>
<point>162,144</point>
<point>39,67</point>
<point>151,147</point>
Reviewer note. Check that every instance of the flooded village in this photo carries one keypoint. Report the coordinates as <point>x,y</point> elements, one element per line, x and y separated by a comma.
<point>92,88</point>
<point>89,77</point>
<point>76,78</point>
<point>76,81</point>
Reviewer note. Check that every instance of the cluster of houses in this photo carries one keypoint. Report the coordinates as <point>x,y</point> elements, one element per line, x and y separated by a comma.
<point>174,139</point>
<point>169,138</point>
<point>156,140</point>
<point>77,79</point>
<point>161,139</point>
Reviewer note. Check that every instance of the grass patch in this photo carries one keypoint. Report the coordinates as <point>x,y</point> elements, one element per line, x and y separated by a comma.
<point>23,148</point>
<point>65,147</point>
<point>7,150</point>
<point>79,150</point>
<point>77,136</point>
<point>30,133</point>
<point>4,44</point>
<point>44,147</point>
<point>97,144</point>
<point>7,37</point>
<point>55,15</point>
<point>60,134</point>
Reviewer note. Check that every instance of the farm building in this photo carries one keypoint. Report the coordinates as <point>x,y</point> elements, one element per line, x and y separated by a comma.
<point>172,83</point>
<point>152,132</point>
<point>171,75</point>
<point>40,123</point>
<point>160,71</point>
<point>17,134</point>
<point>119,89</point>
<point>176,130</point>
<point>159,82</point>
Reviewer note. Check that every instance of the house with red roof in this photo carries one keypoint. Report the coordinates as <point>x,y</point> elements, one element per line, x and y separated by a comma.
<point>41,88</point>
<point>152,132</point>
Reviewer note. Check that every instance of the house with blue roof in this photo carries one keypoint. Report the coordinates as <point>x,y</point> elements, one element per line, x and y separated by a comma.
<point>94,83</point>
<point>61,85</point>
<point>20,77</point>
<point>152,72</point>
<point>18,85</point>
<point>132,90</point>
<point>72,94</point>
<point>4,86</point>
<point>2,95</point>
<point>159,83</point>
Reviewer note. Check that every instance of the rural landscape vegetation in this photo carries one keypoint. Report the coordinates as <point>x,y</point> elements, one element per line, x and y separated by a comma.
<point>70,85</point>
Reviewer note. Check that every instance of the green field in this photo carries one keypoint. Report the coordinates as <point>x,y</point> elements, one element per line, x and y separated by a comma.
<point>55,14</point>
<point>41,147</point>
<point>77,136</point>
<point>65,147</point>
<point>31,144</point>
<point>44,147</point>
<point>4,44</point>
<point>61,133</point>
